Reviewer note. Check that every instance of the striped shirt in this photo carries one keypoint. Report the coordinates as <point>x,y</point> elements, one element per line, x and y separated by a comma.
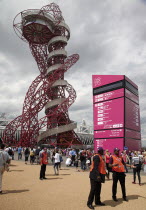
<point>135,160</point>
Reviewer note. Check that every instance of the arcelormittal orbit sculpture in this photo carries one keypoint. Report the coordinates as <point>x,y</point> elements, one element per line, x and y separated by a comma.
<point>47,34</point>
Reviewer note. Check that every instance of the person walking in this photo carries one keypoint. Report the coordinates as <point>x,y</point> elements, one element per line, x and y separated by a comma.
<point>37,155</point>
<point>89,156</point>
<point>117,164</point>
<point>11,152</point>
<point>83,160</point>
<point>130,157</point>
<point>26,154</point>
<point>107,158</point>
<point>126,160</point>
<point>43,162</point>
<point>56,162</point>
<point>32,156</point>
<point>19,153</point>
<point>4,160</point>
<point>136,162</point>
<point>61,159</point>
<point>72,154</point>
<point>97,176</point>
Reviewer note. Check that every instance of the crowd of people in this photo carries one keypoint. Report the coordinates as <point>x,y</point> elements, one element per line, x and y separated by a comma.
<point>79,158</point>
<point>99,164</point>
<point>85,158</point>
<point>76,157</point>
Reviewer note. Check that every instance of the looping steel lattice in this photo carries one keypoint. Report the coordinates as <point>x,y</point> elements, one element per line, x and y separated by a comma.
<point>47,34</point>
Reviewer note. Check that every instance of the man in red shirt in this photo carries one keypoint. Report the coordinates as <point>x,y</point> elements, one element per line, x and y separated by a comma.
<point>43,162</point>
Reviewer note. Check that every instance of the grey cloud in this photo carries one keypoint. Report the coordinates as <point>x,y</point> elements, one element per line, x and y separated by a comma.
<point>109,37</point>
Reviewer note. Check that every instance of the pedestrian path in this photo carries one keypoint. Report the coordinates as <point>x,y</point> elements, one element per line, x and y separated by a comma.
<point>23,190</point>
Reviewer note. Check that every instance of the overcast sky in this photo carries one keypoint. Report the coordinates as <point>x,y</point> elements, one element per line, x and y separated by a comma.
<point>109,36</point>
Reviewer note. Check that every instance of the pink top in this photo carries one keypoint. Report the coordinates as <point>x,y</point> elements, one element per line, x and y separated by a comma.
<point>107,158</point>
<point>124,158</point>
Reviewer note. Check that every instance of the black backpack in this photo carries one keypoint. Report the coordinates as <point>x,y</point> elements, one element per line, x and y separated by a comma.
<point>10,152</point>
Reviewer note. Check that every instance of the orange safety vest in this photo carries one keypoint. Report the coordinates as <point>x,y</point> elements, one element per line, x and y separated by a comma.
<point>44,159</point>
<point>118,160</point>
<point>101,166</point>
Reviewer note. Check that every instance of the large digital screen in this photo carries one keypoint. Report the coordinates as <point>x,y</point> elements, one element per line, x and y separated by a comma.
<point>109,114</point>
<point>109,144</point>
<point>100,80</point>
<point>133,144</point>
<point>108,95</point>
<point>109,133</point>
<point>132,115</point>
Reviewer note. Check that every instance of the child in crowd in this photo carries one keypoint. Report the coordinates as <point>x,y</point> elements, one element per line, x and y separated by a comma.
<point>68,161</point>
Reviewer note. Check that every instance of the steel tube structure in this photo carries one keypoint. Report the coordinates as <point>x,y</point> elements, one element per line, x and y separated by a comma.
<point>47,35</point>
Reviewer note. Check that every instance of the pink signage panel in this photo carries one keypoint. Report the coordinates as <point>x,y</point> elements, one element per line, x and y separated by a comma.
<point>109,114</point>
<point>133,144</point>
<point>109,133</point>
<point>131,96</point>
<point>132,134</point>
<point>108,95</point>
<point>109,144</point>
<point>100,80</point>
<point>132,115</point>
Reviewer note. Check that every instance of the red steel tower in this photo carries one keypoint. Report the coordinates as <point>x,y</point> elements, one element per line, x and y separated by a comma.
<point>47,35</point>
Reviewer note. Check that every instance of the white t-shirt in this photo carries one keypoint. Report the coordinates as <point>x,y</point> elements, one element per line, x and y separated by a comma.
<point>68,161</point>
<point>57,158</point>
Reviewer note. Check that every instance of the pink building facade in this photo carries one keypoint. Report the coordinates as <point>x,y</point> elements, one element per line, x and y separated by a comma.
<point>116,113</point>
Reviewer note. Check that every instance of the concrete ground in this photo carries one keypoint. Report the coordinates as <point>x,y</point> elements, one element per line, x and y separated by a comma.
<point>69,191</point>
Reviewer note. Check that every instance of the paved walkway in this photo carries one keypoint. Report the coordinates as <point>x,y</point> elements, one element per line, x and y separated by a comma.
<point>69,191</point>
